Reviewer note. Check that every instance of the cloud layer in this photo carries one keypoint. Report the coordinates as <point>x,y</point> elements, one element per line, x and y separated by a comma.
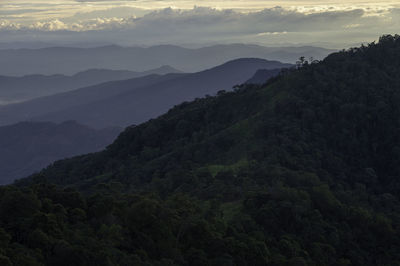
<point>203,24</point>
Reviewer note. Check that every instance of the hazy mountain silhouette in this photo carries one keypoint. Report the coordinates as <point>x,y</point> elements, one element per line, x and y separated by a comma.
<point>17,89</point>
<point>13,113</point>
<point>134,101</point>
<point>66,60</point>
<point>29,146</point>
<point>263,75</point>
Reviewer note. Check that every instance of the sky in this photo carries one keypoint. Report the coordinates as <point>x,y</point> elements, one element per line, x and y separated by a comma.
<point>331,24</point>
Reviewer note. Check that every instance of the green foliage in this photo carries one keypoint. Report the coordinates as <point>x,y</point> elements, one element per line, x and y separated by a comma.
<point>300,171</point>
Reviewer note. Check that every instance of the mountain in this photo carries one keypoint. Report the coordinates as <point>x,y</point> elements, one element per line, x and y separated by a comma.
<point>17,89</point>
<point>123,103</point>
<point>24,111</point>
<point>263,75</point>
<point>303,170</point>
<point>27,147</point>
<point>17,62</point>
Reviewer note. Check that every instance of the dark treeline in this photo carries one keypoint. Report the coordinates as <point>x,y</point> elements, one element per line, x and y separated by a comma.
<point>300,171</point>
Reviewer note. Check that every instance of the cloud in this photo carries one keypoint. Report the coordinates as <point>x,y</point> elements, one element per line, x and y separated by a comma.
<point>54,25</point>
<point>7,25</point>
<point>115,12</point>
<point>82,1</point>
<point>216,25</point>
<point>199,18</point>
<point>17,11</point>
<point>205,21</point>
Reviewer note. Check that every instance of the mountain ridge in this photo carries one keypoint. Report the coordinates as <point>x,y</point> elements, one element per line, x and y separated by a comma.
<point>136,100</point>
<point>18,89</point>
<point>262,76</point>
<point>46,60</point>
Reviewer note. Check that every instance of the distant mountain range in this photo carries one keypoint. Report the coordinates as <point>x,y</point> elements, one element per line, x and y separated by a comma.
<point>28,147</point>
<point>17,89</point>
<point>66,60</point>
<point>133,101</point>
<point>263,75</point>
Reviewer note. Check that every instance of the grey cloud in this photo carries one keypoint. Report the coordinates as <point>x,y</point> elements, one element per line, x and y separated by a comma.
<point>115,12</point>
<point>82,1</point>
<point>274,19</point>
<point>207,22</point>
<point>199,18</point>
<point>202,24</point>
<point>19,11</point>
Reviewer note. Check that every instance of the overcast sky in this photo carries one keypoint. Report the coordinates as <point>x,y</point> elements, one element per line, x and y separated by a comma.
<point>147,22</point>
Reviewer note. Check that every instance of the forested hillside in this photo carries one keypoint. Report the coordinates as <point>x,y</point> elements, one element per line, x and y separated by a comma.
<point>303,170</point>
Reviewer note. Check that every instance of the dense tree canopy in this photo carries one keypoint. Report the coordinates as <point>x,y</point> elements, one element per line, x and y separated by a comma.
<point>303,170</point>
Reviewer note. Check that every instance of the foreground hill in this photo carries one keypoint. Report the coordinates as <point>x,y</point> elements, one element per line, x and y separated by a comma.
<point>18,89</point>
<point>134,101</point>
<point>28,147</point>
<point>17,62</point>
<point>300,171</point>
